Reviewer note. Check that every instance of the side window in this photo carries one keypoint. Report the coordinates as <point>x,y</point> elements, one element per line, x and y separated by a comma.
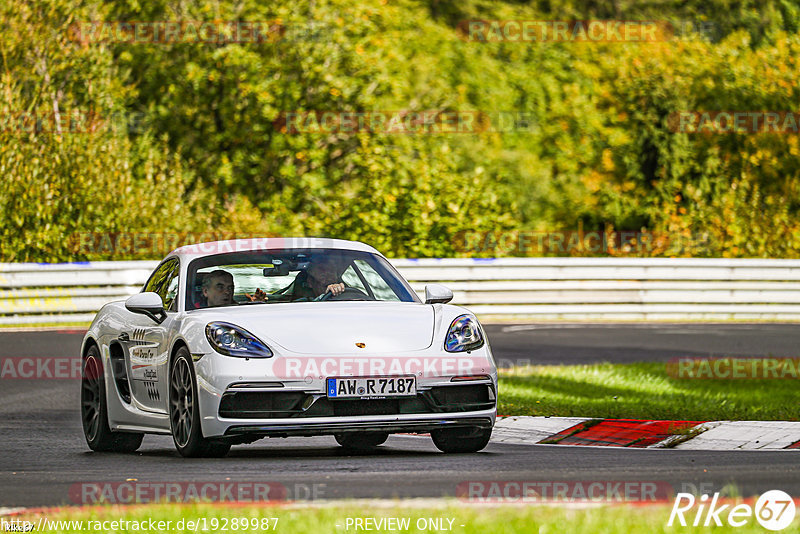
<point>170,296</point>
<point>378,285</point>
<point>351,279</point>
<point>163,280</point>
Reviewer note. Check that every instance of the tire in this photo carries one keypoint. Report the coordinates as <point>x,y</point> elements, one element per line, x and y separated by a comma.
<point>361,441</point>
<point>461,440</point>
<point>184,412</point>
<point>94,410</point>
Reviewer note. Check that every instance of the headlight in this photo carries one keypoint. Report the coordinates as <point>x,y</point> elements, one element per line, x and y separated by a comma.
<point>232,340</point>
<point>463,335</point>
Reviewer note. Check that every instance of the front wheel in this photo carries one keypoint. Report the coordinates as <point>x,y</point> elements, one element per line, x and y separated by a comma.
<point>184,412</point>
<point>94,410</point>
<point>455,440</point>
<point>361,440</point>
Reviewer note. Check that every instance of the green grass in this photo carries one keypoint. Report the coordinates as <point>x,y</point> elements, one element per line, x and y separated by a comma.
<point>642,391</point>
<point>475,519</point>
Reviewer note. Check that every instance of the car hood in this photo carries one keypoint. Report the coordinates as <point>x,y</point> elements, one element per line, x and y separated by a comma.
<point>316,328</point>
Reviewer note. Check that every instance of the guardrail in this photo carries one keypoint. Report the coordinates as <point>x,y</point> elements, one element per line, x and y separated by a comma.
<point>513,288</point>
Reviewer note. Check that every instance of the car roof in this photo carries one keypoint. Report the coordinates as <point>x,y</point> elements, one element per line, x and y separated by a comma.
<point>212,248</point>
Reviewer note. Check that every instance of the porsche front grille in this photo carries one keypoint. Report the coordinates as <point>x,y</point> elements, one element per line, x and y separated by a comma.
<point>284,404</point>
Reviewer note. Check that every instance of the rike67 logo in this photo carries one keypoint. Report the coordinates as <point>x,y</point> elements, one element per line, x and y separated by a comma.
<point>774,510</point>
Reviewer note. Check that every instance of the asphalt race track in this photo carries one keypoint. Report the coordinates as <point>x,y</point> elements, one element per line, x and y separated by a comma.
<point>44,453</point>
<point>556,344</point>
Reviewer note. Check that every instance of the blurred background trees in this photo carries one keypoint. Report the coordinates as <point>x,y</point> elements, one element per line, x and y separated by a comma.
<point>186,137</point>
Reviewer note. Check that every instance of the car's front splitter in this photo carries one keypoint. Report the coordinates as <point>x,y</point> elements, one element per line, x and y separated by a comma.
<point>328,428</point>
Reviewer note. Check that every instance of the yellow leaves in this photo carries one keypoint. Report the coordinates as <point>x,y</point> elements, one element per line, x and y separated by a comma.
<point>608,160</point>
<point>359,50</point>
<point>793,148</point>
<point>755,159</point>
<point>594,181</point>
<point>335,92</point>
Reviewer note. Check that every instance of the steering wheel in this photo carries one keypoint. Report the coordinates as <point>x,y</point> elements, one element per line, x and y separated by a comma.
<point>354,294</point>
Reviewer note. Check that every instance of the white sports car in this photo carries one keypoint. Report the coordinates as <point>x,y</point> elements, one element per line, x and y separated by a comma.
<point>233,341</point>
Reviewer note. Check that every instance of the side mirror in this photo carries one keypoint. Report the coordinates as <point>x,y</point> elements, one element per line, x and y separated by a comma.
<point>437,294</point>
<point>149,304</point>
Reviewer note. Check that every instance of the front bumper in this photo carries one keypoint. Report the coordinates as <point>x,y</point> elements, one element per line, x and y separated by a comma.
<point>334,416</point>
<point>240,397</point>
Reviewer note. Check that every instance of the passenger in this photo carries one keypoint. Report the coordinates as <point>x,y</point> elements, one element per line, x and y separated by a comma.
<point>218,288</point>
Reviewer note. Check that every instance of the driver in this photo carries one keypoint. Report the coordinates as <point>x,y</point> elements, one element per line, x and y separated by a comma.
<point>321,277</point>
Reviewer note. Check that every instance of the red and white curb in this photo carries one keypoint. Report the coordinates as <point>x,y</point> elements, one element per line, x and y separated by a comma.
<point>9,511</point>
<point>635,433</point>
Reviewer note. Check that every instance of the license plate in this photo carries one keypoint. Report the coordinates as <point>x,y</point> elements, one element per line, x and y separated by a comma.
<point>372,387</point>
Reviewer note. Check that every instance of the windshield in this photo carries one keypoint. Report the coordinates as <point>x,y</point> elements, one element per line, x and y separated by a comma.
<point>297,275</point>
